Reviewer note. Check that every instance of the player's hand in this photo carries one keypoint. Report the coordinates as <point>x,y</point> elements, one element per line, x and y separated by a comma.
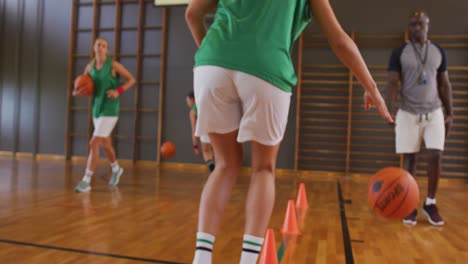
<point>393,118</point>
<point>77,92</point>
<point>113,94</point>
<point>448,124</point>
<point>376,99</point>
<point>196,150</point>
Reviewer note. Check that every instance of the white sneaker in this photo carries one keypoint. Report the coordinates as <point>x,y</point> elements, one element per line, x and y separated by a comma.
<point>114,180</point>
<point>83,186</point>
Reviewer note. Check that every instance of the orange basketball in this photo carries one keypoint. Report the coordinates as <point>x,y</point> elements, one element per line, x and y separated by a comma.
<point>168,149</point>
<point>83,86</point>
<point>393,193</point>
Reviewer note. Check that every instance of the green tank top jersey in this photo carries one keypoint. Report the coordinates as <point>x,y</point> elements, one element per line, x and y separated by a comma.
<point>256,37</point>
<point>194,108</point>
<point>103,82</point>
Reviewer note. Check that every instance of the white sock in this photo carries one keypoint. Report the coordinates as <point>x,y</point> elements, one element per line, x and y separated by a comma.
<point>88,175</point>
<point>115,166</point>
<point>430,201</point>
<point>205,243</point>
<point>251,248</point>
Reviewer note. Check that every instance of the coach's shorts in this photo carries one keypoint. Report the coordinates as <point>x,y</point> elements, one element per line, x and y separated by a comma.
<point>411,129</point>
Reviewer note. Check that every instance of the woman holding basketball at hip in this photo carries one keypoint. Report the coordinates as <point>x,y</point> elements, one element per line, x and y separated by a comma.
<point>105,73</point>
<point>243,78</point>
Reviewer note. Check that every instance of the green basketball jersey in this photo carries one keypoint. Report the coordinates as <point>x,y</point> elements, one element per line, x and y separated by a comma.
<point>256,37</point>
<point>194,108</point>
<point>103,82</point>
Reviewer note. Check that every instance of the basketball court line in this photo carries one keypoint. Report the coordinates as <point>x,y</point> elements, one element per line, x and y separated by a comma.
<point>281,251</point>
<point>283,247</point>
<point>344,226</point>
<point>79,251</point>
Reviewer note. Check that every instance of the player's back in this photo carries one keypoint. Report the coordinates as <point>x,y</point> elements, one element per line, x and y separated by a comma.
<point>255,36</point>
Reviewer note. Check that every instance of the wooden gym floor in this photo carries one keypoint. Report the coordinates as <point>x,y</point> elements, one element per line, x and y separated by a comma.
<point>152,217</point>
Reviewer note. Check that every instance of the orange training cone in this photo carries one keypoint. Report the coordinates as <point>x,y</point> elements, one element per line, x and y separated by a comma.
<point>301,201</point>
<point>290,221</point>
<point>269,255</point>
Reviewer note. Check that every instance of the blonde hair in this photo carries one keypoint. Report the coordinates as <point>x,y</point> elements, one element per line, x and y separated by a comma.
<point>93,59</point>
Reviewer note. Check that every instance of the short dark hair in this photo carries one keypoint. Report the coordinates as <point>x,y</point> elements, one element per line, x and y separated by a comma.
<point>419,13</point>
<point>191,95</point>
